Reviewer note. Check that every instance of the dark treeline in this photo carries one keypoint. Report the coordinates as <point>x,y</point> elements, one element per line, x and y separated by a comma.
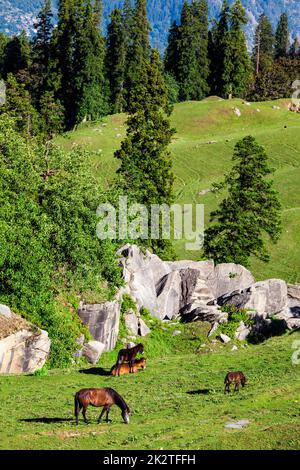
<point>71,73</point>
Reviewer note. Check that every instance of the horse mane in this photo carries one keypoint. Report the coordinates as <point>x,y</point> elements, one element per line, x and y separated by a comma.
<point>119,401</point>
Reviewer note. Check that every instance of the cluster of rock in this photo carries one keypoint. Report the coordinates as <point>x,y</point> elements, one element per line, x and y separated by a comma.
<point>24,348</point>
<point>182,290</point>
<point>196,291</point>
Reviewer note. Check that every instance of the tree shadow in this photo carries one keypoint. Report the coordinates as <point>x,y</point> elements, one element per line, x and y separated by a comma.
<point>95,371</point>
<point>45,420</point>
<point>204,391</point>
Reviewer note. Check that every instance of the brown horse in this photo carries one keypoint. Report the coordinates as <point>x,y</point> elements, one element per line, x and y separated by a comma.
<point>125,368</point>
<point>128,355</point>
<point>106,397</point>
<point>236,378</point>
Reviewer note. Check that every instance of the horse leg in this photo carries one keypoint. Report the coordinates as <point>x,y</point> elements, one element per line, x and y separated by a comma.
<point>84,415</point>
<point>101,415</point>
<point>227,389</point>
<point>107,414</point>
<point>131,364</point>
<point>237,388</point>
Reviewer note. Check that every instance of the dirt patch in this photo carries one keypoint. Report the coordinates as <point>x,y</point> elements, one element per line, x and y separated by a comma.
<point>70,434</point>
<point>11,326</point>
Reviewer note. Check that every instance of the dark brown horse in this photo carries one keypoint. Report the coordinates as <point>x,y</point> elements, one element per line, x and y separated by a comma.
<point>236,378</point>
<point>128,355</point>
<point>106,397</point>
<point>138,364</point>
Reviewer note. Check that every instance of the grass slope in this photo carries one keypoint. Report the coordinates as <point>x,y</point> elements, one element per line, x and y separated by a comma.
<point>198,163</point>
<point>37,412</point>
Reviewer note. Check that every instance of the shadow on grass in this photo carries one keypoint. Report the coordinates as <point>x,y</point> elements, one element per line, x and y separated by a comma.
<point>45,420</point>
<point>204,391</point>
<point>95,371</point>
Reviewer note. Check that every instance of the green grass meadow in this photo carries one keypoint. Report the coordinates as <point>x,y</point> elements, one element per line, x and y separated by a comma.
<point>178,402</point>
<point>202,148</point>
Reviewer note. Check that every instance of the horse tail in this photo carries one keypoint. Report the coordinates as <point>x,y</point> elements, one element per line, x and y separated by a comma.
<point>77,405</point>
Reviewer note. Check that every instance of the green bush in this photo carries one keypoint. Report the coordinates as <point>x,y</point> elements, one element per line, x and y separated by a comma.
<point>48,242</point>
<point>235,317</point>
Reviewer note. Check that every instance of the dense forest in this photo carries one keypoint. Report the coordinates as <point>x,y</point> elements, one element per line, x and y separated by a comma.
<point>16,15</point>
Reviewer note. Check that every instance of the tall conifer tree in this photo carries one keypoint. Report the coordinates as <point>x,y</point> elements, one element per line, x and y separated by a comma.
<point>263,53</point>
<point>282,39</point>
<point>116,55</point>
<point>145,174</point>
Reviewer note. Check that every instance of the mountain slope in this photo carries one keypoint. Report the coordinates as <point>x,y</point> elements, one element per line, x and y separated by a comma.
<point>16,15</point>
<point>198,164</point>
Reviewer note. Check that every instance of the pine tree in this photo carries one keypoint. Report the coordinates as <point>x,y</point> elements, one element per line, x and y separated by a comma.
<point>282,39</point>
<point>171,55</point>
<point>218,47</point>
<point>116,54</point>
<point>263,53</point>
<point>193,64</point>
<point>139,48</point>
<point>250,211</point>
<point>90,86</point>
<point>17,55</point>
<point>237,65</point>
<point>82,88</point>
<point>41,52</point>
<point>145,174</point>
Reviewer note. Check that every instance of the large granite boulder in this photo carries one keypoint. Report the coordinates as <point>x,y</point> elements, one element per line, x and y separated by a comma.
<point>265,298</point>
<point>229,278</point>
<point>102,321</point>
<point>92,351</point>
<point>141,272</point>
<point>24,348</point>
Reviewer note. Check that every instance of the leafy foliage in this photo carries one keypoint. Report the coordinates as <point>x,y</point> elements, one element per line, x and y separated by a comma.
<point>250,209</point>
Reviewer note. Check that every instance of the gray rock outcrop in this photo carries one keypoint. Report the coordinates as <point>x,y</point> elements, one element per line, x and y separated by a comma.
<point>102,321</point>
<point>24,351</point>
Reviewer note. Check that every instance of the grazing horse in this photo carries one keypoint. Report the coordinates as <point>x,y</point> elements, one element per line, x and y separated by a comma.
<point>236,378</point>
<point>128,355</point>
<point>125,368</point>
<point>106,397</point>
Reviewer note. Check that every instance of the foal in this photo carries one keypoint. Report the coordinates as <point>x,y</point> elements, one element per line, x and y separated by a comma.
<point>128,355</point>
<point>125,368</point>
<point>106,397</point>
<point>236,378</point>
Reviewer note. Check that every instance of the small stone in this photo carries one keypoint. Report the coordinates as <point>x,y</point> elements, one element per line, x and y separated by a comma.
<point>5,311</point>
<point>237,424</point>
<point>234,348</point>
<point>224,338</point>
<point>176,333</point>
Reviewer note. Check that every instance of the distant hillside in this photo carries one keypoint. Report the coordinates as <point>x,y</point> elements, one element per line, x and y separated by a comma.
<point>198,163</point>
<point>16,15</point>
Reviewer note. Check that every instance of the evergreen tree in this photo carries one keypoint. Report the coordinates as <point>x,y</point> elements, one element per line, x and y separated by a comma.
<point>80,61</point>
<point>17,55</point>
<point>139,48</point>
<point>237,66</point>
<point>263,53</point>
<point>116,54</point>
<point>145,174</point>
<point>250,211</point>
<point>218,47</point>
<point>193,64</point>
<point>41,52</point>
<point>3,42</point>
<point>282,39</point>
<point>172,53</point>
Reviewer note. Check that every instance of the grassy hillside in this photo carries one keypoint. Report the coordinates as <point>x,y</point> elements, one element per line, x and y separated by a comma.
<point>177,403</point>
<point>198,163</point>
